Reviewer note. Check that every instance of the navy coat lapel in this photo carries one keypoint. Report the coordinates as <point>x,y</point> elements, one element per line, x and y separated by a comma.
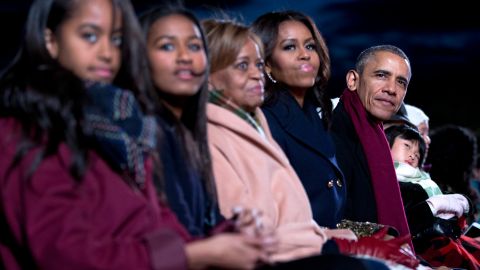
<point>291,116</point>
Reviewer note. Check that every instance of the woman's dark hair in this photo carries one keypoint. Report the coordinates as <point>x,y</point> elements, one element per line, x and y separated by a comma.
<point>48,100</point>
<point>192,127</point>
<point>266,27</point>
<point>452,154</point>
<point>407,133</point>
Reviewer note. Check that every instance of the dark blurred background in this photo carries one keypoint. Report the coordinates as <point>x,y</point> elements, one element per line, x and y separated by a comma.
<point>442,40</point>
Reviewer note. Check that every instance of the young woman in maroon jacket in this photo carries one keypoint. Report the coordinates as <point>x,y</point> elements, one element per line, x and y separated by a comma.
<point>76,166</point>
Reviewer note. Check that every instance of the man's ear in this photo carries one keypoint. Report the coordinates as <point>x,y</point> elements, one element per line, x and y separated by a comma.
<point>51,43</point>
<point>352,80</point>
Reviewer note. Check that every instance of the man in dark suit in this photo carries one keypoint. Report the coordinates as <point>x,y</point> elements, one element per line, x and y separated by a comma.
<point>375,90</point>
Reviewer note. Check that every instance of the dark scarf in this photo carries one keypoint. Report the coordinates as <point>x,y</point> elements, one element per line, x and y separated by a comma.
<point>390,209</point>
<point>117,125</point>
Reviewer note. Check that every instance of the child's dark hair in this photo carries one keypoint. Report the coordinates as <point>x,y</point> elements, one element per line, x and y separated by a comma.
<point>407,133</point>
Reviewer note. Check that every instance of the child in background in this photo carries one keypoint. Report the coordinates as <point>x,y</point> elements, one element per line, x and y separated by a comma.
<point>408,152</point>
<point>432,216</point>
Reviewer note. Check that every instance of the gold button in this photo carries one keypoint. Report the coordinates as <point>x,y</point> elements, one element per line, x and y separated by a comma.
<point>330,184</point>
<point>339,183</point>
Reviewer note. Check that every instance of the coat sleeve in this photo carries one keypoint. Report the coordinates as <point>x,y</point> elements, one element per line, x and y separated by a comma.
<point>419,215</point>
<point>98,223</point>
<point>231,190</point>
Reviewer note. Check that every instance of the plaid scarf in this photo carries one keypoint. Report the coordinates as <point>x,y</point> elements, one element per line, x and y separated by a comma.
<point>218,98</point>
<point>123,134</point>
<point>390,209</point>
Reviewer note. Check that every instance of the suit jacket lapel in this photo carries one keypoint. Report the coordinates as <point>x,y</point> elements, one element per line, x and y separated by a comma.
<point>292,118</point>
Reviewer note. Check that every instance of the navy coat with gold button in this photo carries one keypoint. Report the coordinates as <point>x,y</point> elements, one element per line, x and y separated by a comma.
<point>309,147</point>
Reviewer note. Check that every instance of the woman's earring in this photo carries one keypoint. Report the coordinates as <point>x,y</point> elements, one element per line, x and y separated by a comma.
<point>271,78</point>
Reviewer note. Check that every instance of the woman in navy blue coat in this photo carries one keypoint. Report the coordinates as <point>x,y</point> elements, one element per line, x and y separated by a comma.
<point>298,110</point>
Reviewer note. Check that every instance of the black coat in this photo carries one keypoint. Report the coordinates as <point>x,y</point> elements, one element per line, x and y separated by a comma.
<point>360,204</point>
<point>309,148</point>
<point>418,212</point>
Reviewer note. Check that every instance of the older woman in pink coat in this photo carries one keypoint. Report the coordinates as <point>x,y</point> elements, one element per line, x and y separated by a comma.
<point>249,167</point>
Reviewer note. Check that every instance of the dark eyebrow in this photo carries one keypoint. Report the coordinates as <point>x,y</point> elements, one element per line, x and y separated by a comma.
<point>162,37</point>
<point>382,71</point>
<point>243,58</point>
<point>90,25</point>
<point>386,72</point>
<point>289,40</point>
<point>171,37</point>
<point>309,39</point>
<point>96,28</point>
<point>118,30</point>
